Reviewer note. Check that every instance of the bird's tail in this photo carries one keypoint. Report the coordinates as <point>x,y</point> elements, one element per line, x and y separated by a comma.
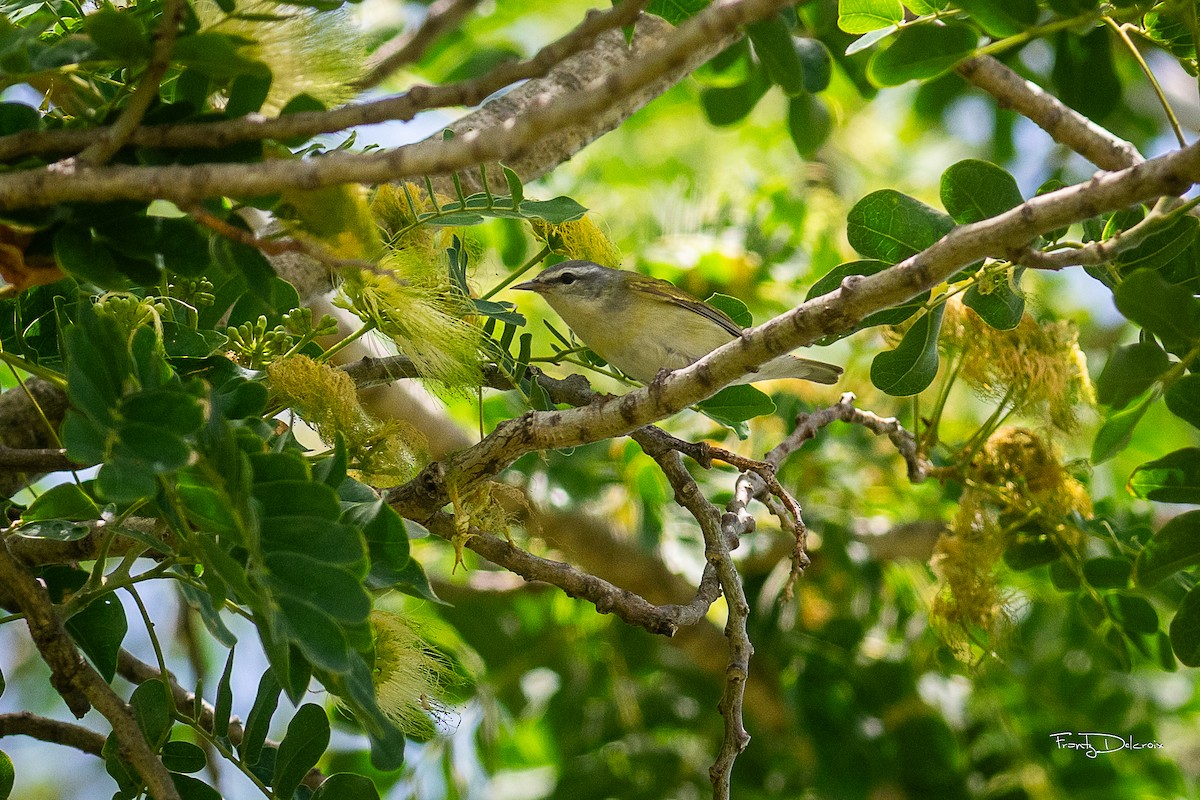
<point>789,366</point>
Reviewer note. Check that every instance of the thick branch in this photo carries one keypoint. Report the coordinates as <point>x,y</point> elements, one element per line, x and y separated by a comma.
<point>78,683</point>
<point>23,723</point>
<point>1064,124</point>
<point>1003,236</point>
<point>186,184</point>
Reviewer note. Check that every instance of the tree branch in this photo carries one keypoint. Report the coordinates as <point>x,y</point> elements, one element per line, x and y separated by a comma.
<point>78,683</point>
<point>1004,236</point>
<point>1064,124</point>
<point>307,124</point>
<point>24,723</point>
<point>186,184</point>
<point>607,598</point>
<point>391,56</point>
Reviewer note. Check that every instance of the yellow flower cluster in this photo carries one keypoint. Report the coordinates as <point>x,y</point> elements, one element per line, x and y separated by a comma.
<point>409,676</point>
<point>1033,367</point>
<point>581,238</point>
<point>383,452</point>
<point>1016,487</point>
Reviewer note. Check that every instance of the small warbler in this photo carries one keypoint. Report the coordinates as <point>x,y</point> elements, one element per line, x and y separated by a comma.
<point>642,325</point>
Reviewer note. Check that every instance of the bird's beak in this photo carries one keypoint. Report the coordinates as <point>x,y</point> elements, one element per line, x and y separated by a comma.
<point>529,286</point>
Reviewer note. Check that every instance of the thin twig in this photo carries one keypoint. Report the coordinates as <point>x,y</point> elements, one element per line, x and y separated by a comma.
<point>391,56</point>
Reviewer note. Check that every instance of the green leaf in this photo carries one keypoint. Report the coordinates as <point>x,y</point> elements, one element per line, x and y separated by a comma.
<point>1161,247</point>
<point>974,190</point>
<point>776,51</point>
<point>1117,431</point>
<point>556,211</point>
<point>217,55</point>
<point>1183,399</point>
<point>1001,18</point>
<point>1085,74</point>
<point>1185,629</point>
<point>151,447</point>
<point>224,705</point>
<point>65,501</point>
<point>736,404</point>
<point>7,776</point>
<point>117,34</point>
<point>412,581</point>
<point>725,105</point>
<point>893,316</point>
<point>183,757</point>
<point>1107,573</point>
<point>921,52</point>
<point>862,16</point>
<point>733,307</point>
<point>1026,553</point>
<point>247,93</point>
<point>675,11</point>
<point>912,366</point>
<point>1130,371</point>
<point>99,629</point>
<point>817,62</point>
<point>1002,305</point>
<point>809,123</point>
<point>1176,546</point>
<point>890,226</point>
<point>305,742</point>
<point>259,720</point>
<point>78,253</point>
<point>346,786</point>
<point>190,788</point>
<point>1134,613</point>
<point>387,539</point>
<point>1174,478</point>
<point>1168,311</point>
<point>152,707</point>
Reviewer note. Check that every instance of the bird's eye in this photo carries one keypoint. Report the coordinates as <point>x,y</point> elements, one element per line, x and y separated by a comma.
<point>566,279</point>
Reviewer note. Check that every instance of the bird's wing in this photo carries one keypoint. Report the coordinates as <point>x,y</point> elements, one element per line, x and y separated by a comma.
<point>658,287</point>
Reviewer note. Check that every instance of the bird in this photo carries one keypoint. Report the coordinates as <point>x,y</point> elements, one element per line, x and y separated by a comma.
<point>642,325</point>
